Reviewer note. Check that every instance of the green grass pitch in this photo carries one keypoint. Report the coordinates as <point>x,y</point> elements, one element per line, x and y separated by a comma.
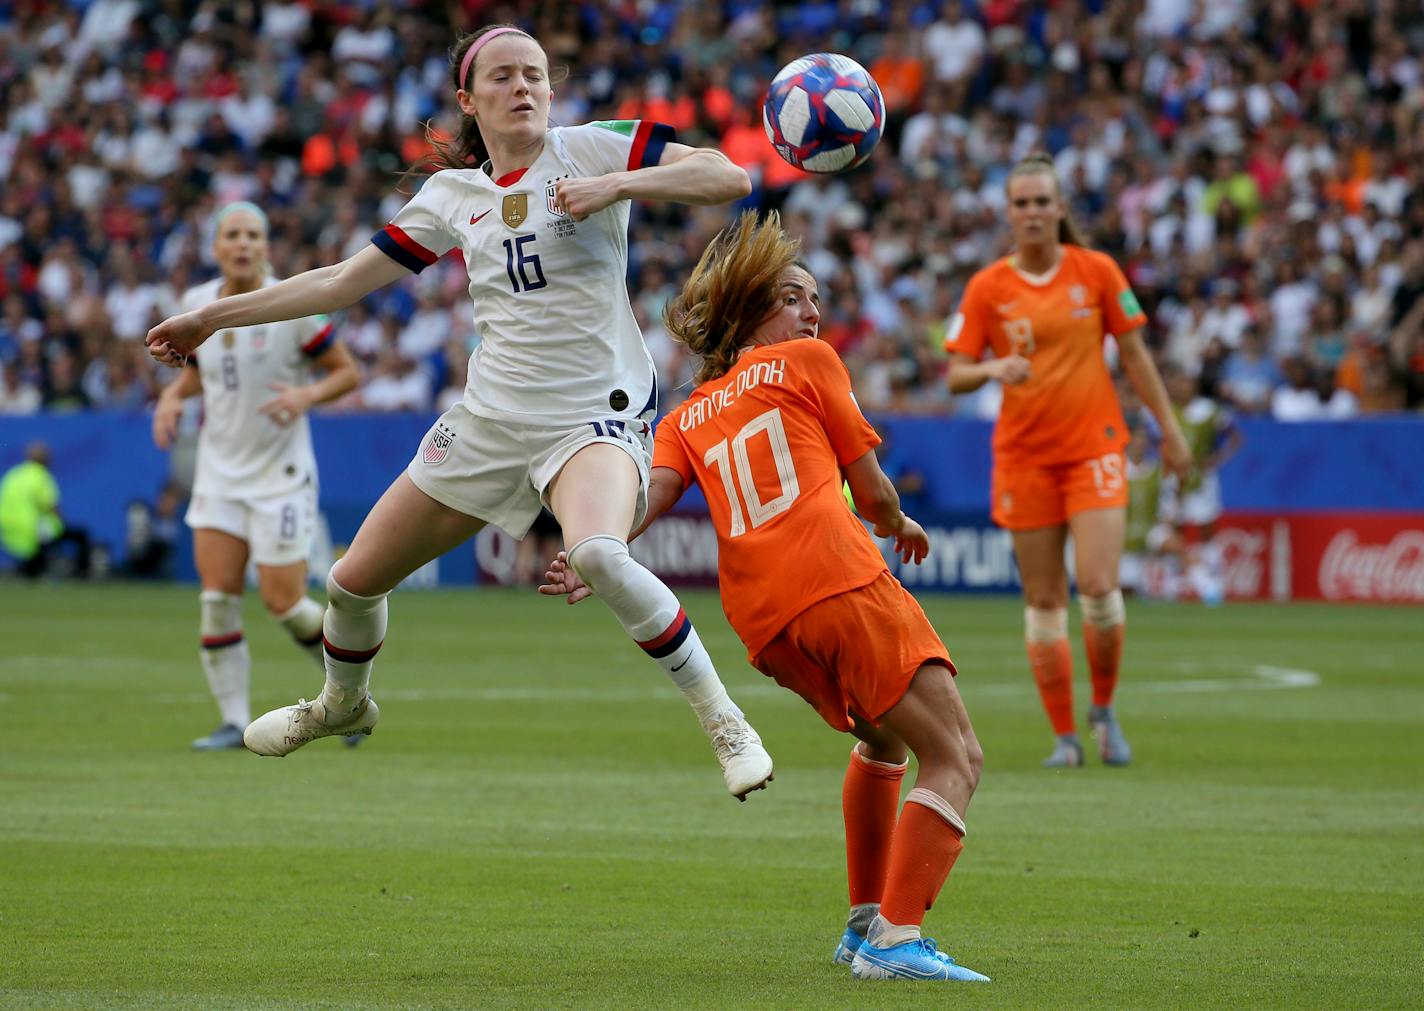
<point>538,822</point>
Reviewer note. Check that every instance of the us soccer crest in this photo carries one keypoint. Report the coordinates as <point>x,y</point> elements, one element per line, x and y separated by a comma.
<point>515,209</point>
<point>551,200</point>
<point>437,444</point>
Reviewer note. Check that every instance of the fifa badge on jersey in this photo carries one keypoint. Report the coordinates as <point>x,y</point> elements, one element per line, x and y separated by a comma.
<point>515,209</point>
<point>437,444</point>
<point>229,338</point>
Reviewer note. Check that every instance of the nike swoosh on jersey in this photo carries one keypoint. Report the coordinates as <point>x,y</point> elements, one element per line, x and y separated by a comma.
<point>476,217</point>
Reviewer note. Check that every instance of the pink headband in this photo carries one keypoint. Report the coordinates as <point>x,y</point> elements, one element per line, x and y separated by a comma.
<point>469,60</point>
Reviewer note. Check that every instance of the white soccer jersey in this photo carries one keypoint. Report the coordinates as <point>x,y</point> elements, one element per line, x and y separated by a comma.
<point>242,453</point>
<point>559,345</point>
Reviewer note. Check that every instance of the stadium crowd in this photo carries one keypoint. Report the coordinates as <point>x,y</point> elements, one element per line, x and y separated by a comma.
<point>1257,168</point>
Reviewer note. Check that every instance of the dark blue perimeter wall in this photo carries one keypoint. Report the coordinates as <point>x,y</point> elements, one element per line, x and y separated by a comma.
<point>105,461</point>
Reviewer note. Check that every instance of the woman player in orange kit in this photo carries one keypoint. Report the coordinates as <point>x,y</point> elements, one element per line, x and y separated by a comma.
<point>770,434</point>
<point>1045,312</point>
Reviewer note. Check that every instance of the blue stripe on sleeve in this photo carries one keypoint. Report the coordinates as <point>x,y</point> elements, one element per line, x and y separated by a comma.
<point>388,245</point>
<point>661,136</point>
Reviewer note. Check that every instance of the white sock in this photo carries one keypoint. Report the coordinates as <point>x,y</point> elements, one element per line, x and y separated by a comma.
<point>304,623</point>
<point>650,613</point>
<point>354,628</point>
<point>226,660</point>
<point>884,934</point>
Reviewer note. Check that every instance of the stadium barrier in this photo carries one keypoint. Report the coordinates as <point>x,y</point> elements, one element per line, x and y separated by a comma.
<point>1316,510</point>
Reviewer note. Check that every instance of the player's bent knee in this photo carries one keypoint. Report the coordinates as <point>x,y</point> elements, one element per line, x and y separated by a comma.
<point>600,560</point>
<point>974,759</point>
<point>339,598</point>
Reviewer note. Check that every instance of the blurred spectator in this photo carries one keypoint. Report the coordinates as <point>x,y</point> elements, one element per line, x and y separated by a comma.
<point>1250,375</point>
<point>150,533</point>
<point>396,385</point>
<point>31,530</point>
<point>1251,163</point>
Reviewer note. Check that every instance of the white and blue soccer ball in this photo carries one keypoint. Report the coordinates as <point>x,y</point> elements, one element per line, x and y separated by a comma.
<point>823,113</point>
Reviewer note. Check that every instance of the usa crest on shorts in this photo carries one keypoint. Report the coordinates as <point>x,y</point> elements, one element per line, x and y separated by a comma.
<point>437,444</point>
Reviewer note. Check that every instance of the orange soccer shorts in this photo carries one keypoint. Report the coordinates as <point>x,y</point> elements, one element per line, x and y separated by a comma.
<point>1025,497</point>
<point>855,652</point>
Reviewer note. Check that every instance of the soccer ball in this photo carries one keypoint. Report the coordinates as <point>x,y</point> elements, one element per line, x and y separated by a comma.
<point>823,113</point>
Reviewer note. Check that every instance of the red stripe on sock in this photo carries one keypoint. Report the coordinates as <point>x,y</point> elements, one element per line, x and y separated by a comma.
<point>350,655</point>
<point>666,635</point>
<point>219,641</point>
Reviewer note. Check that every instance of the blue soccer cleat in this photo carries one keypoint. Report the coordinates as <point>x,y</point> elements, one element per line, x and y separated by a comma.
<point>850,944</point>
<point>224,737</point>
<point>1112,745</point>
<point>917,959</point>
<point>1067,753</point>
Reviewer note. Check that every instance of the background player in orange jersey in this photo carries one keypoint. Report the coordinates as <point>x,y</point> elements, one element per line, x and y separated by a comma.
<point>1045,311</point>
<point>769,435</point>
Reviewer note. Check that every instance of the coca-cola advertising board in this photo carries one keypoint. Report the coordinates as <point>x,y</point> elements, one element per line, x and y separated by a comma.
<point>1369,557</point>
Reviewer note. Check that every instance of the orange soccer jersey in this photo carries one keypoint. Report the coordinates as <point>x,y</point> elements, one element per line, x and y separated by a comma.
<point>766,442</point>
<point>1067,410</point>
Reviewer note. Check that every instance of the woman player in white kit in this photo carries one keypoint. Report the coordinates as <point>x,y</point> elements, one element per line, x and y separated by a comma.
<point>561,390</point>
<point>255,489</point>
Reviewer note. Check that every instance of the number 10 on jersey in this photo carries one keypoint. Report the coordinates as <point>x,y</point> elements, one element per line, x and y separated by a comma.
<point>755,510</point>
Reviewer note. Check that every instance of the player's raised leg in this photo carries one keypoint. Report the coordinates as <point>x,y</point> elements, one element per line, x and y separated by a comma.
<point>932,721</point>
<point>595,498</point>
<point>870,796</point>
<point>1045,582</point>
<point>221,559</point>
<point>403,531</point>
<point>1097,546</point>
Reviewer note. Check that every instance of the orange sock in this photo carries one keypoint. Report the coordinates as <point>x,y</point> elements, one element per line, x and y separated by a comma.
<point>1052,664</point>
<point>923,851</point>
<point>869,796</point>
<point>1104,649</point>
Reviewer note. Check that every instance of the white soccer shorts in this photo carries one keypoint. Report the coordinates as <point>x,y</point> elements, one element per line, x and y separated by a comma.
<point>500,472</point>
<point>278,529</point>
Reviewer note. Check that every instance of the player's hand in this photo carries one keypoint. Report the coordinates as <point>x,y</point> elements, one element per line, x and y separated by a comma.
<point>290,403</point>
<point>1012,370</point>
<point>165,421</point>
<point>173,340</point>
<point>581,197</point>
<point>912,544</point>
<point>564,581</point>
<point>1176,454</point>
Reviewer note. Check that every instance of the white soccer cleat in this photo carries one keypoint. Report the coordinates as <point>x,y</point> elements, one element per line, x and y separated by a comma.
<point>282,731</point>
<point>745,764</point>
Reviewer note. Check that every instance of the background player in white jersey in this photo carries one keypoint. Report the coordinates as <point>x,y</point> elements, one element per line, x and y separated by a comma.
<point>561,390</point>
<point>255,490</point>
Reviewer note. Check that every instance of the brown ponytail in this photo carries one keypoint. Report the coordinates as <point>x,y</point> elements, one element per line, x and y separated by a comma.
<point>1035,164</point>
<point>733,288</point>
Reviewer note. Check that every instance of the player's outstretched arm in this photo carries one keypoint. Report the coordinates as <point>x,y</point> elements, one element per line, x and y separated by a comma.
<point>322,290</point>
<point>684,175</point>
<point>877,500</point>
<point>170,406</point>
<point>1145,379</point>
